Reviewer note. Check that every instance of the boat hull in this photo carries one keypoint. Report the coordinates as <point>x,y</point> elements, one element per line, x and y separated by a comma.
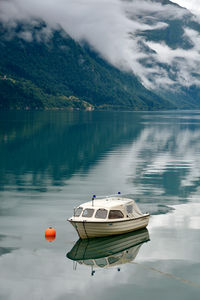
<point>86,229</point>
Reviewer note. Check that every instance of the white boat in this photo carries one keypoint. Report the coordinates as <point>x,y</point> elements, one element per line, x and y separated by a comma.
<point>108,216</point>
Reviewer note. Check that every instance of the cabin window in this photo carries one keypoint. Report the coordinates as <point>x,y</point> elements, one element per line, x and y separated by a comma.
<point>78,211</point>
<point>113,259</point>
<point>129,209</point>
<point>101,262</point>
<point>88,212</point>
<point>88,262</point>
<point>101,213</point>
<point>115,214</point>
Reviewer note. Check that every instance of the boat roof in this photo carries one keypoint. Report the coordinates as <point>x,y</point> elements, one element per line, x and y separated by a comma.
<point>107,202</point>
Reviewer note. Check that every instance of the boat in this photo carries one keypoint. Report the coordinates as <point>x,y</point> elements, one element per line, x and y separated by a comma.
<point>108,216</point>
<point>108,252</point>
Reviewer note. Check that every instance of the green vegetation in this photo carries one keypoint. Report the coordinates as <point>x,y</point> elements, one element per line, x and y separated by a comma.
<point>23,94</point>
<point>61,74</point>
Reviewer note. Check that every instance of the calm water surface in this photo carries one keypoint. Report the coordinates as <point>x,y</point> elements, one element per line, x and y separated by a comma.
<point>52,161</point>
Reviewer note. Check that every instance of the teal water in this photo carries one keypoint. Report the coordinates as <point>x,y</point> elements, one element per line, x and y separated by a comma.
<point>52,161</point>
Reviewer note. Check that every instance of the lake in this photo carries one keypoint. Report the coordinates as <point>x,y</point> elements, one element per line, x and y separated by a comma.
<point>51,162</point>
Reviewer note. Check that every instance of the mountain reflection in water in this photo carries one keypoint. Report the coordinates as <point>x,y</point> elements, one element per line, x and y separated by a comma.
<point>158,154</point>
<point>108,251</point>
<point>50,162</point>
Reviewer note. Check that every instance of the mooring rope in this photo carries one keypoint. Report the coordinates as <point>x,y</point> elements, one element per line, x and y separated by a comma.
<point>188,282</point>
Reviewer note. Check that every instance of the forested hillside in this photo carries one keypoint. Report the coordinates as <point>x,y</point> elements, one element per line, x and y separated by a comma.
<point>59,73</point>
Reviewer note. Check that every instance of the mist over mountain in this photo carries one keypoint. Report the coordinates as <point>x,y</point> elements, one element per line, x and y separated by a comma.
<point>139,54</point>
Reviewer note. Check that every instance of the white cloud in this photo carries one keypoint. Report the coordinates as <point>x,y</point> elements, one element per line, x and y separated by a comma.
<point>192,5</point>
<point>185,61</point>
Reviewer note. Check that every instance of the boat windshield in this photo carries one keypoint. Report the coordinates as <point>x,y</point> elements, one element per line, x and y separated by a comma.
<point>78,211</point>
<point>88,212</point>
<point>115,214</point>
<point>101,213</point>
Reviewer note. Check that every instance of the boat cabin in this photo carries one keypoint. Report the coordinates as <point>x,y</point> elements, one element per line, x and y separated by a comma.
<point>113,260</point>
<point>111,208</point>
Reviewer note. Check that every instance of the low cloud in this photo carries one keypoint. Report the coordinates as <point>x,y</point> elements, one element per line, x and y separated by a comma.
<point>183,62</point>
<point>112,28</point>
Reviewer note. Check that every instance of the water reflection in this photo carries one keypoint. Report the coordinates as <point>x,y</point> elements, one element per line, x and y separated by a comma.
<point>108,251</point>
<point>47,148</point>
<point>158,154</point>
<point>167,159</point>
<point>4,250</point>
<point>53,161</point>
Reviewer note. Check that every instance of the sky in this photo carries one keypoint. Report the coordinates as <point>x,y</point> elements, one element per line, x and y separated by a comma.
<point>192,5</point>
<point>111,28</point>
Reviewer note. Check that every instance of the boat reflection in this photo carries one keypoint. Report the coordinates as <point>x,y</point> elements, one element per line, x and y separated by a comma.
<point>106,252</point>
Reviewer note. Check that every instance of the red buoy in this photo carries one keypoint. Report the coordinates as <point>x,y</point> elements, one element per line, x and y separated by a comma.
<point>50,234</point>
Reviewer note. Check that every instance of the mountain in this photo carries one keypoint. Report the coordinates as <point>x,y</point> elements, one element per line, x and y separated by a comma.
<point>179,39</point>
<point>60,73</point>
<point>48,69</point>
